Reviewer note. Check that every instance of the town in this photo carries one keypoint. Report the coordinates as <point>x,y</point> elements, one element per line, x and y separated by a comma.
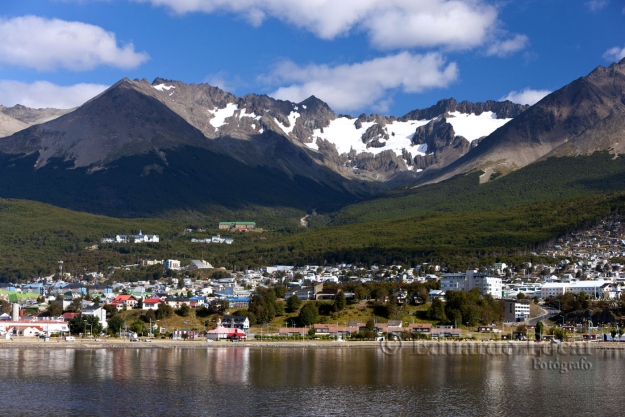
<point>197,301</point>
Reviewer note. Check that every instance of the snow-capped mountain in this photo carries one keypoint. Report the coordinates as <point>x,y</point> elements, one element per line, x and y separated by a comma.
<point>585,116</point>
<point>203,143</point>
<point>372,147</point>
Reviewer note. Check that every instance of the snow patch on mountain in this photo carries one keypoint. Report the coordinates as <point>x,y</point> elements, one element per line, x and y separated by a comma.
<point>161,87</point>
<point>343,134</point>
<point>293,116</point>
<point>220,115</point>
<point>472,126</point>
<point>251,115</point>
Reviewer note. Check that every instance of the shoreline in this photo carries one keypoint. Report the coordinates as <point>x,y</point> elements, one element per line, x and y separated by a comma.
<point>390,346</point>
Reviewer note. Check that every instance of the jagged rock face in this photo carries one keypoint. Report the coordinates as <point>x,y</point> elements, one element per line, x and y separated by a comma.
<point>136,117</point>
<point>315,114</point>
<point>421,162</point>
<point>374,136</point>
<point>503,109</point>
<point>579,117</point>
<point>385,162</point>
<point>443,145</point>
<point>437,135</point>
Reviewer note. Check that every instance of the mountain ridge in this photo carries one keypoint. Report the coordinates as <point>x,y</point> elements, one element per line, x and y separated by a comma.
<point>556,119</point>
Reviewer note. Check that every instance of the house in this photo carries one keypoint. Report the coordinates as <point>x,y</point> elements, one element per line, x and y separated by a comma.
<point>240,226</point>
<point>305,293</point>
<point>98,312</point>
<point>184,334</point>
<point>237,334</point>
<point>327,294</point>
<point>125,301</point>
<point>420,328</point>
<point>439,333</point>
<point>69,316</point>
<point>218,333</point>
<point>151,303</point>
<point>236,322</point>
<point>140,238</point>
<point>293,331</point>
<point>434,294</point>
<point>177,302</point>
<point>393,326</point>
<point>150,262</point>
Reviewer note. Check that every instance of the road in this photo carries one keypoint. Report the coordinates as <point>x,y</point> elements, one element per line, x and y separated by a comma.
<point>550,312</point>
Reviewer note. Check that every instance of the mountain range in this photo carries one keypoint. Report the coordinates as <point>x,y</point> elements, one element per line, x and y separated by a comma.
<point>147,149</point>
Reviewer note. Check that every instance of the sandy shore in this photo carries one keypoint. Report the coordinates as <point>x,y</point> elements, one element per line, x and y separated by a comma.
<point>468,346</point>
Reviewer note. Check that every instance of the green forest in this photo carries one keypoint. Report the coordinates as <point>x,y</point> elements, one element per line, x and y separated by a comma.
<point>458,224</point>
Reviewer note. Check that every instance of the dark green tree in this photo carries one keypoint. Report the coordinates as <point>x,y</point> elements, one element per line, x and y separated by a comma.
<point>340,302</point>
<point>309,314</point>
<point>164,311</point>
<point>280,291</point>
<point>137,326</point>
<point>293,303</point>
<point>184,310</point>
<point>539,330</point>
<point>85,324</point>
<point>116,323</point>
<point>54,310</point>
<point>437,311</point>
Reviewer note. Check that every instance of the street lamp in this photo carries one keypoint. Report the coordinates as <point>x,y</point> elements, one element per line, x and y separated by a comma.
<point>91,326</point>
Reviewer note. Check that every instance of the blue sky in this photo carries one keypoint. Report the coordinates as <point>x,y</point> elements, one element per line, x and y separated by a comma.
<point>360,56</point>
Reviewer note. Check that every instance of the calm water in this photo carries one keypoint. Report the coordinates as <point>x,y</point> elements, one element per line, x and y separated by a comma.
<point>298,381</point>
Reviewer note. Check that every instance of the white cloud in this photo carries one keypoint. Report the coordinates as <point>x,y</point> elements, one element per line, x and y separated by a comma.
<point>42,94</point>
<point>356,86</point>
<point>507,47</point>
<point>454,24</point>
<point>596,6</point>
<point>614,54</point>
<point>48,44</point>
<point>527,96</point>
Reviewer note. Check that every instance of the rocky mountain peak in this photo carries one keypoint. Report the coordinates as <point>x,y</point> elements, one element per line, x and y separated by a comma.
<point>592,103</point>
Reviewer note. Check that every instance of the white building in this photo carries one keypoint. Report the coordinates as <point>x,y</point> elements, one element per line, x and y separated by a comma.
<point>516,310</point>
<point>596,289</point>
<point>486,283</point>
<point>172,264</point>
<point>99,312</point>
<point>140,238</point>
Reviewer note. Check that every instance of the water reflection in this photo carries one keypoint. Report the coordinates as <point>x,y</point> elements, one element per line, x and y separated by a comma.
<point>297,381</point>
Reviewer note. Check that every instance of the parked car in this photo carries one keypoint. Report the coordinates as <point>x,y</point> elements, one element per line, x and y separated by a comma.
<point>134,339</point>
<point>70,339</point>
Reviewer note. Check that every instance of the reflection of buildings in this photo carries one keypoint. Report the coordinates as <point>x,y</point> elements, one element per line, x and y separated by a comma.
<point>229,365</point>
